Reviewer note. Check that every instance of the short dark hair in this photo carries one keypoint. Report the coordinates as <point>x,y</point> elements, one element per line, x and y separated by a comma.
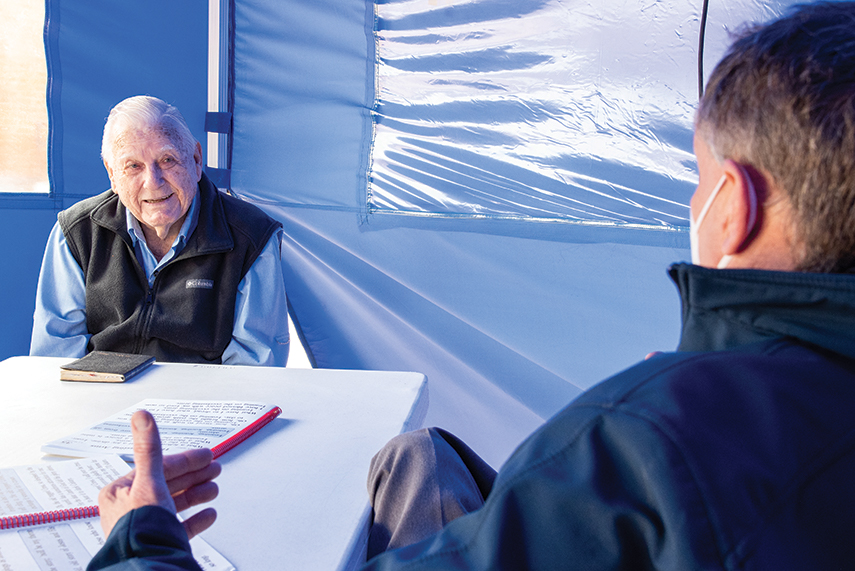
<point>783,101</point>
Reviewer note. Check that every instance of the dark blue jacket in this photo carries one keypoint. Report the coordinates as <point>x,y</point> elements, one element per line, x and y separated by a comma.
<point>148,538</point>
<point>737,452</point>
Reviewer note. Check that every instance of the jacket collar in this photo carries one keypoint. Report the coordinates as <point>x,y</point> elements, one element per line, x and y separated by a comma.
<point>723,309</point>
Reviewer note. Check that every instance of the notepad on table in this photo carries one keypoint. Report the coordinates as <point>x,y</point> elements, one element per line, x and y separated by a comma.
<point>105,367</point>
<point>183,425</point>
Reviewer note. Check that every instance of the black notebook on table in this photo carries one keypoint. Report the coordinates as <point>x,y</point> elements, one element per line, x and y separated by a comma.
<point>105,367</point>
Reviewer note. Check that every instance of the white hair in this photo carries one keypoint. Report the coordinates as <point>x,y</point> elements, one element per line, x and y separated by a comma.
<point>143,113</point>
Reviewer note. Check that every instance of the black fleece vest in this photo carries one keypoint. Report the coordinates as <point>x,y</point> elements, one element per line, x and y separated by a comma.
<point>188,314</point>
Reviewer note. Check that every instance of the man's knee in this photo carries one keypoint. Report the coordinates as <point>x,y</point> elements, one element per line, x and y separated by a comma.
<point>416,484</point>
<point>406,444</point>
<point>411,452</point>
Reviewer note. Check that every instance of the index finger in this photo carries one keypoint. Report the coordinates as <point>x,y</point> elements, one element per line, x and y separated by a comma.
<point>176,465</point>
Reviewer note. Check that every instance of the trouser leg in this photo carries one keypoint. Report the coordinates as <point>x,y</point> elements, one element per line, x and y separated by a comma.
<point>419,482</point>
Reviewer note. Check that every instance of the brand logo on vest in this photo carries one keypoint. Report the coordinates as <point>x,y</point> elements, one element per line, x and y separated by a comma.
<point>199,284</point>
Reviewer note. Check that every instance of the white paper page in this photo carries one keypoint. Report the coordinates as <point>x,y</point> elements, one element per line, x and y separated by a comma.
<point>58,485</point>
<point>45,548</point>
<point>207,557</point>
<point>66,546</point>
<point>183,425</point>
<point>70,546</point>
<point>48,487</point>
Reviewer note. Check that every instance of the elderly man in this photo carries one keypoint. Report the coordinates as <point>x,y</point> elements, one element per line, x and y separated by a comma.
<point>738,450</point>
<point>163,263</point>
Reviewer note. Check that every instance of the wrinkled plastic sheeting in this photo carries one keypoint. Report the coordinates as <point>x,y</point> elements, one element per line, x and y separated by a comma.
<point>443,265</point>
<point>559,110</point>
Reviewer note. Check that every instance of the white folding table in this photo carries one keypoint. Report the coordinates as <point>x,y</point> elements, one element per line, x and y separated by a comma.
<point>293,496</point>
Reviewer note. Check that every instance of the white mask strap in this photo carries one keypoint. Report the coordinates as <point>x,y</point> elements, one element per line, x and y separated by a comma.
<point>724,261</point>
<point>710,200</point>
<point>695,224</point>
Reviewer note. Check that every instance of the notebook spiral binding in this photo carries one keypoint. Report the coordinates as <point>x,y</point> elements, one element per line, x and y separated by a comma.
<point>38,518</point>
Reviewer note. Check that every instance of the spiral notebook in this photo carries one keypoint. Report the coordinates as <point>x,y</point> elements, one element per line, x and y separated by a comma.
<point>49,515</point>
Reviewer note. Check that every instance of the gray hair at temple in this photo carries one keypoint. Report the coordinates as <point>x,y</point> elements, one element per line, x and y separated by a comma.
<point>783,101</point>
<point>144,113</point>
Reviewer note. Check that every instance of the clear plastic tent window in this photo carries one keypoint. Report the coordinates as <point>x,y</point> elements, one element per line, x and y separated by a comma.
<point>487,116</point>
<point>543,110</point>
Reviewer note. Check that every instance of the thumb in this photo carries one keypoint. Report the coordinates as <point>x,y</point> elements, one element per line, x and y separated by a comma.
<point>148,455</point>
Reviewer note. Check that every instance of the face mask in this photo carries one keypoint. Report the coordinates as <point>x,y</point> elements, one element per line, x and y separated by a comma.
<point>694,225</point>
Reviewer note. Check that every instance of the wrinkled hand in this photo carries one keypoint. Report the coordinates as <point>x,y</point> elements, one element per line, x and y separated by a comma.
<point>174,482</point>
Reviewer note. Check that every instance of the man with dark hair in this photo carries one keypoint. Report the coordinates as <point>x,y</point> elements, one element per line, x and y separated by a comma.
<point>781,105</point>
<point>738,450</point>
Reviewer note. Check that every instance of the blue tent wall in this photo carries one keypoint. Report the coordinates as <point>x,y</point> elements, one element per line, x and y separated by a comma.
<point>97,56</point>
<point>25,231</point>
<point>509,319</point>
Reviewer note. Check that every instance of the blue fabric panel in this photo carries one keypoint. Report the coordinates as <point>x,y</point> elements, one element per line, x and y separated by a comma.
<point>220,177</point>
<point>100,54</point>
<point>218,122</point>
<point>301,117</point>
<point>509,319</point>
<point>508,328</point>
<point>25,233</point>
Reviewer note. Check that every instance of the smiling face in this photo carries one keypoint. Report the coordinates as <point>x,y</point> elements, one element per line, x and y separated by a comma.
<point>155,180</point>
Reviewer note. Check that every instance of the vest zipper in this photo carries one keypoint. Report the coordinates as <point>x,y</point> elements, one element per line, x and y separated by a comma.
<point>144,322</point>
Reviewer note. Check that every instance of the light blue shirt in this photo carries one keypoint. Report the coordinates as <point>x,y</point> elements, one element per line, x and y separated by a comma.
<point>260,332</point>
